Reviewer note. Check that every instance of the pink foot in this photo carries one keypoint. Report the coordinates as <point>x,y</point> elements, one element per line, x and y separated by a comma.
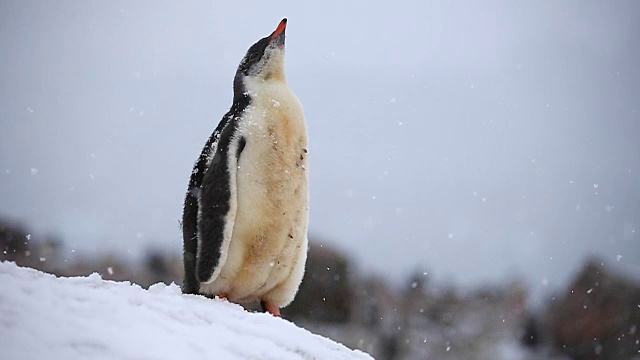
<point>270,308</point>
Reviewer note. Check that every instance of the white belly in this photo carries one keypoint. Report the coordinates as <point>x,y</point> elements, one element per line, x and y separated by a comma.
<point>270,231</point>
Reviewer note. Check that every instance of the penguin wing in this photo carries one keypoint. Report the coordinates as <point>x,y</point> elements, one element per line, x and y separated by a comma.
<point>218,203</point>
<point>191,209</point>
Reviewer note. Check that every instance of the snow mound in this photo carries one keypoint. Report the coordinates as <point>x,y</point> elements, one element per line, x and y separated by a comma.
<point>44,317</point>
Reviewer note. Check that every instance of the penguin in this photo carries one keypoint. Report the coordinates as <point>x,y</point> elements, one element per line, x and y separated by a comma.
<point>245,213</point>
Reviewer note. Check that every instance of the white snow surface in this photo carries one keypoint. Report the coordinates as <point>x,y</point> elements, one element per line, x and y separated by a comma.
<point>48,317</point>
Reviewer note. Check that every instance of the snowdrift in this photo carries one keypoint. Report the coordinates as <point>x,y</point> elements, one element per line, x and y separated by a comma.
<point>44,317</point>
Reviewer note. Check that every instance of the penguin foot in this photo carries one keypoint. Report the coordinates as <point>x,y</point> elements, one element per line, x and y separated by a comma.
<point>223,296</point>
<point>270,308</point>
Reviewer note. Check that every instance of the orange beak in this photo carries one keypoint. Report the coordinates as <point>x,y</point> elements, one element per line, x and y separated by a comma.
<point>279,30</point>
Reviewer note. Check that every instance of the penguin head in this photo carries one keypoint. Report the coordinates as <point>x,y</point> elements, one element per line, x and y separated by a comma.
<point>264,60</point>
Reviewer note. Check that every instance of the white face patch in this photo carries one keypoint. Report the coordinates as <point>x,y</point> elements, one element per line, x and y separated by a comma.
<point>271,65</point>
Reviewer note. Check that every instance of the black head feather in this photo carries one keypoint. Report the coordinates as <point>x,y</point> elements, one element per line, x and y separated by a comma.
<point>257,56</point>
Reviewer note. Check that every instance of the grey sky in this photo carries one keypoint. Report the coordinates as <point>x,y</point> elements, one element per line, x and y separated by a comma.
<point>478,140</point>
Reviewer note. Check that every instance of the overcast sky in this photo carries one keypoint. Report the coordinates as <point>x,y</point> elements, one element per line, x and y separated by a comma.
<point>476,140</point>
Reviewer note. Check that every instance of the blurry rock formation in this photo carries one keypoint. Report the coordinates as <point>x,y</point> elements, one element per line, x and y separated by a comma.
<point>325,293</point>
<point>598,316</point>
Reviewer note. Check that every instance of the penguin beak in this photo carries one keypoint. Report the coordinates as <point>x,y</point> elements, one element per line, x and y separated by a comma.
<point>278,34</point>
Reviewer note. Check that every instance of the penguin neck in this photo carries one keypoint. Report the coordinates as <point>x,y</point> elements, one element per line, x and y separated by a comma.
<point>246,88</point>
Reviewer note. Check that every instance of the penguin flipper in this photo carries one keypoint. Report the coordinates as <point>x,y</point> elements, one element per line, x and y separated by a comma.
<point>190,237</point>
<point>217,206</point>
<point>190,214</point>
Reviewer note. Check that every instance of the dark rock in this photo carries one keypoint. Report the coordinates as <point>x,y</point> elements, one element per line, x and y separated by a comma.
<point>13,242</point>
<point>325,294</point>
<point>598,316</point>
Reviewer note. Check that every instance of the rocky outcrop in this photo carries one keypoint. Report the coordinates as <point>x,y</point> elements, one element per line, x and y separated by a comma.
<point>598,317</point>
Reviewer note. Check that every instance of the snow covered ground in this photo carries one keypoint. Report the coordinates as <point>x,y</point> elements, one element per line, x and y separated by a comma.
<point>44,317</point>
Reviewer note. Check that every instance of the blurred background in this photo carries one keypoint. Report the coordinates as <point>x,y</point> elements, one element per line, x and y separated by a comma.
<point>474,165</point>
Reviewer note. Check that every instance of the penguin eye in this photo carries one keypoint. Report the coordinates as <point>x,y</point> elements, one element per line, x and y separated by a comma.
<point>253,57</point>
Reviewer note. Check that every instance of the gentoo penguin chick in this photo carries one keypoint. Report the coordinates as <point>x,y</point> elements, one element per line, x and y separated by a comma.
<point>246,210</point>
